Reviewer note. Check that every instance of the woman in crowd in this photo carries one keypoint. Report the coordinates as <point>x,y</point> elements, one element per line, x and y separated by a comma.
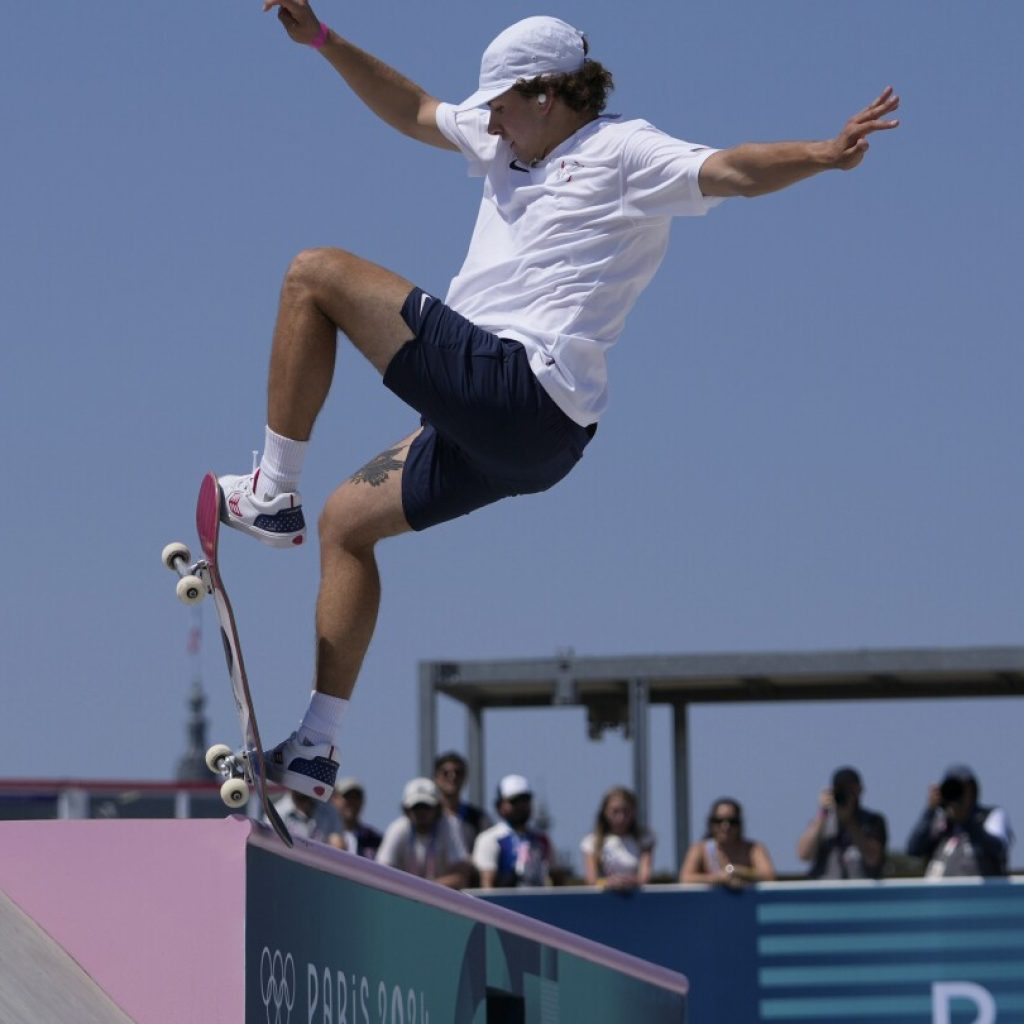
<point>618,853</point>
<point>724,856</point>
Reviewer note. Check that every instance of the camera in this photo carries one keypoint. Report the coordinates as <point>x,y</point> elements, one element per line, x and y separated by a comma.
<point>843,797</point>
<point>951,790</point>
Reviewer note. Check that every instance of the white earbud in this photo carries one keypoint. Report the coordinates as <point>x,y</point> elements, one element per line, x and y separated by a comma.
<point>542,99</point>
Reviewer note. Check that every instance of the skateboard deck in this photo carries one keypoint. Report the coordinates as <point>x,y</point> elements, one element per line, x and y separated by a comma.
<point>243,770</point>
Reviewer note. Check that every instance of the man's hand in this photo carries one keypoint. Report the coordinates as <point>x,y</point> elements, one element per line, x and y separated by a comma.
<point>757,168</point>
<point>298,18</point>
<point>850,145</point>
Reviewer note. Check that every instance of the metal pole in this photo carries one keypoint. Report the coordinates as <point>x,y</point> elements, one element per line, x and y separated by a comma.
<point>638,724</point>
<point>475,752</point>
<point>681,777</point>
<point>428,719</point>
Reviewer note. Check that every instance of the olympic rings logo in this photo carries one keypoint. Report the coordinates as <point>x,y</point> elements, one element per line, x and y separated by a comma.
<point>277,984</point>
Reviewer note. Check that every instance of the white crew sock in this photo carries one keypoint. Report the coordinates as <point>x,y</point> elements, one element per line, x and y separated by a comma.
<point>281,465</point>
<point>323,718</point>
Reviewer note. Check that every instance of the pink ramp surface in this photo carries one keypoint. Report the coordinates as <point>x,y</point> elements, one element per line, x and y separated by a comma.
<point>153,911</point>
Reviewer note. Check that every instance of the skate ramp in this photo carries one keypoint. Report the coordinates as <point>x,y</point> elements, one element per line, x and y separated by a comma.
<point>166,922</point>
<point>40,982</point>
<point>152,911</point>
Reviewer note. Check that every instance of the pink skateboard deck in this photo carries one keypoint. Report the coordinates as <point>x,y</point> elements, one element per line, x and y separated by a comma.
<point>249,761</point>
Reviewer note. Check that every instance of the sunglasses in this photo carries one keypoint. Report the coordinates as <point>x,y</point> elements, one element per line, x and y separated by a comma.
<point>725,821</point>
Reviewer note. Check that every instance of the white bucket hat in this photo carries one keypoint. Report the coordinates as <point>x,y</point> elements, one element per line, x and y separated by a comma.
<point>531,47</point>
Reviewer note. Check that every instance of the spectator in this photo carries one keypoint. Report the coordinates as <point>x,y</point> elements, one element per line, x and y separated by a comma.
<point>424,841</point>
<point>511,853</point>
<point>348,801</point>
<point>450,772</point>
<point>844,840</point>
<point>956,835</point>
<point>311,819</point>
<point>618,853</point>
<point>724,856</point>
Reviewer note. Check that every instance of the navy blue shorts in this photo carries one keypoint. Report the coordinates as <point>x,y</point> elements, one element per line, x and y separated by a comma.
<point>490,430</point>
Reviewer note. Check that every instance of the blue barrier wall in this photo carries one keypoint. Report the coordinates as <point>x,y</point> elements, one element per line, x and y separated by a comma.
<point>883,952</point>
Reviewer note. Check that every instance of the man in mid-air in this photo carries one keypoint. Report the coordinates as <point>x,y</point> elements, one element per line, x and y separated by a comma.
<point>508,373</point>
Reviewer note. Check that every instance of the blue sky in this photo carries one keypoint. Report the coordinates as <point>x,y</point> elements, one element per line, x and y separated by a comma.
<point>813,434</point>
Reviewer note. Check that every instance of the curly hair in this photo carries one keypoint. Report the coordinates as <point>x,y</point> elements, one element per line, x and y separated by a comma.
<point>584,91</point>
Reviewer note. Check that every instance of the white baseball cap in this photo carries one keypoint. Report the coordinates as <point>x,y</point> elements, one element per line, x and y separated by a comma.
<point>419,791</point>
<point>534,46</point>
<point>512,786</point>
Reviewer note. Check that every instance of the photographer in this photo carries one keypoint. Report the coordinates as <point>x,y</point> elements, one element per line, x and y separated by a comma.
<point>956,835</point>
<point>844,840</point>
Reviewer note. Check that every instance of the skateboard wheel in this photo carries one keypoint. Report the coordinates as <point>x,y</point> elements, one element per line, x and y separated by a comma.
<point>215,758</point>
<point>190,590</point>
<point>175,552</point>
<point>235,793</point>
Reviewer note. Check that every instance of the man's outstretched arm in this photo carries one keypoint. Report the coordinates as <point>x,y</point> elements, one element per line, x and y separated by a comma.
<point>756,168</point>
<point>392,97</point>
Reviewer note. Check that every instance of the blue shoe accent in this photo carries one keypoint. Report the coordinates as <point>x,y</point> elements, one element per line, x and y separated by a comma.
<point>305,768</point>
<point>289,520</point>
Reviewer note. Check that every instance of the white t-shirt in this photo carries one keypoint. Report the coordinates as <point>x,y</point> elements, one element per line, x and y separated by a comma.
<point>429,856</point>
<point>561,251</point>
<point>620,855</point>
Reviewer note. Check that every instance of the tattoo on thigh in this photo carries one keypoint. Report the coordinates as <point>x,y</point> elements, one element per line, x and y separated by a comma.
<point>378,469</point>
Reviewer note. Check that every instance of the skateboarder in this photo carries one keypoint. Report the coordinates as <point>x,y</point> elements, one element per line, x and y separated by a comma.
<point>508,372</point>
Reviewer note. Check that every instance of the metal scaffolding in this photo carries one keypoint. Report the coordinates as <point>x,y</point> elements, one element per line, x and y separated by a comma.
<point>618,691</point>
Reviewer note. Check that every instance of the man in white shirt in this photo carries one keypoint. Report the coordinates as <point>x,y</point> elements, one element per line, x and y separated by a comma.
<point>425,841</point>
<point>508,374</point>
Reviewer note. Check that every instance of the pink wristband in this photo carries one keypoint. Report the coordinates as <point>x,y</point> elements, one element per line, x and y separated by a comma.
<point>321,37</point>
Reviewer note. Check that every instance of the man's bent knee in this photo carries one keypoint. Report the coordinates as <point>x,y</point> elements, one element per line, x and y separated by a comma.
<point>356,516</point>
<point>312,269</point>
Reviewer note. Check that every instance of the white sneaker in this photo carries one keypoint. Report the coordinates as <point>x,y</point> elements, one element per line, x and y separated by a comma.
<point>309,768</point>
<point>278,521</point>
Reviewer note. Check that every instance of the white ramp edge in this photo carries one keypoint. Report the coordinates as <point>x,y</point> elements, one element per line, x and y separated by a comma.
<point>39,981</point>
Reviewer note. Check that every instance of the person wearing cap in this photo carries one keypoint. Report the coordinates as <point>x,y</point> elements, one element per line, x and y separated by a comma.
<point>511,853</point>
<point>844,839</point>
<point>956,835</point>
<point>450,771</point>
<point>508,372</point>
<point>348,798</point>
<point>425,841</point>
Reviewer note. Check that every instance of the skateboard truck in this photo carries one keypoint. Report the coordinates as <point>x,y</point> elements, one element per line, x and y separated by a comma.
<point>194,583</point>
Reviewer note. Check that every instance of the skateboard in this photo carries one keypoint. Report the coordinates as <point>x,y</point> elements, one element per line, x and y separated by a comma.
<point>243,771</point>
